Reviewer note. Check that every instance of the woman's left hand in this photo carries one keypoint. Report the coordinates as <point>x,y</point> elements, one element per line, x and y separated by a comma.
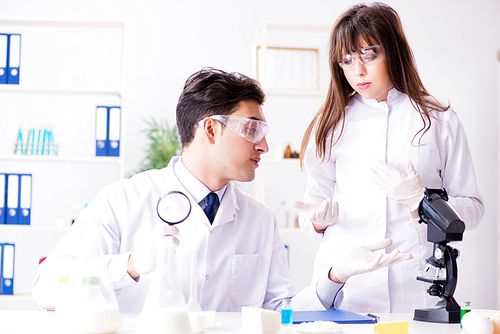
<point>406,189</point>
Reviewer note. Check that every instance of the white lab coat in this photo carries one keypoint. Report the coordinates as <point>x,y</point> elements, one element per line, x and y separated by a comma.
<point>385,131</point>
<point>241,259</point>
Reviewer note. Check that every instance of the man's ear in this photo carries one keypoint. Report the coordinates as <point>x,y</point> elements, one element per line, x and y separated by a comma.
<point>209,129</point>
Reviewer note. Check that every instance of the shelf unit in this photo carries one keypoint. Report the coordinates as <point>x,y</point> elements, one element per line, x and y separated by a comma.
<point>289,108</point>
<point>67,69</point>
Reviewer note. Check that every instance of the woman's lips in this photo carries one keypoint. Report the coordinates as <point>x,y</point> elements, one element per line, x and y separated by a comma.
<point>363,85</point>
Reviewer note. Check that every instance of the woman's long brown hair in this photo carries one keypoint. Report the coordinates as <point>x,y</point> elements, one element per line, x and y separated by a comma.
<point>375,24</point>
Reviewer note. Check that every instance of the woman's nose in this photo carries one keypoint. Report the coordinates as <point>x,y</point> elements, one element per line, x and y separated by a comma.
<point>359,67</point>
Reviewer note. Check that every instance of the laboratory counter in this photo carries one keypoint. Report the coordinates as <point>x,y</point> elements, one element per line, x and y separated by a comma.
<point>38,322</point>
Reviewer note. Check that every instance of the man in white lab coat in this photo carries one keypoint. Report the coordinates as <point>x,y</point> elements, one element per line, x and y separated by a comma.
<point>241,259</point>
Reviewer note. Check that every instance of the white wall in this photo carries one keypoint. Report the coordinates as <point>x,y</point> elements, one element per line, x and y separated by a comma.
<point>455,44</point>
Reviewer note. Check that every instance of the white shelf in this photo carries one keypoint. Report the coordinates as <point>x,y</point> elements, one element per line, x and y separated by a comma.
<point>57,158</point>
<point>48,90</point>
<point>24,302</point>
<point>5,228</point>
<point>61,23</point>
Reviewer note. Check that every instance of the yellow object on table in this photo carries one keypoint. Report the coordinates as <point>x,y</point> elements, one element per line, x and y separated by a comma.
<point>400,327</point>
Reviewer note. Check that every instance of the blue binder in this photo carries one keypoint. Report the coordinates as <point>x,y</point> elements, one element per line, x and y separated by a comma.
<point>7,271</point>
<point>1,269</point>
<point>339,316</point>
<point>12,199</point>
<point>24,216</point>
<point>14,59</point>
<point>3,198</point>
<point>114,122</point>
<point>101,131</point>
<point>4,49</point>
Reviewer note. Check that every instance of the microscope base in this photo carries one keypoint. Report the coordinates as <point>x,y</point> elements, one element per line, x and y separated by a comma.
<point>448,313</point>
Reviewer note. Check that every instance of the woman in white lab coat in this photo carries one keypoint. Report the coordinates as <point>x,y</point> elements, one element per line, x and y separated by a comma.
<point>379,123</point>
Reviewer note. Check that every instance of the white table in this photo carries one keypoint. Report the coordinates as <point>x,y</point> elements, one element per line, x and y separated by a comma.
<point>40,322</point>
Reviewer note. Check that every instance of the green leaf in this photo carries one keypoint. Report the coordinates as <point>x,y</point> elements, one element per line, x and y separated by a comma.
<point>164,144</point>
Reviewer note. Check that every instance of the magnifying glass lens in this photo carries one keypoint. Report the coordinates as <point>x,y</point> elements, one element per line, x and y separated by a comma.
<point>174,207</point>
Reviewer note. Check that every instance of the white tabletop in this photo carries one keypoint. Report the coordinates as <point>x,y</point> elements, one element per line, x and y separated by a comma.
<point>24,322</point>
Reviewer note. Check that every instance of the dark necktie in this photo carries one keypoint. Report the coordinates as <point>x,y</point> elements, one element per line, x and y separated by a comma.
<point>210,209</point>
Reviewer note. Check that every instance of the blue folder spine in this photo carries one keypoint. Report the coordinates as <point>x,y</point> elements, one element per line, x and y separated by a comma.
<point>25,187</point>
<point>12,199</point>
<point>7,270</point>
<point>14,59</point>
<point>101,131</point>
<point>4,50</point>
<point>15,198</point>
<point>114,123</point>
<point>3,198</point>
<point>108,131</point>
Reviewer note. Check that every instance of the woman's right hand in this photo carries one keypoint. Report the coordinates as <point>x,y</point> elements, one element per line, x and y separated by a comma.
<point>321,215</point>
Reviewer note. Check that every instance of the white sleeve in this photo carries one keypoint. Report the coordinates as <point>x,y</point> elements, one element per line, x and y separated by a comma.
<point>325,295</point>
<point>459,178</point>
<point>320,186</point>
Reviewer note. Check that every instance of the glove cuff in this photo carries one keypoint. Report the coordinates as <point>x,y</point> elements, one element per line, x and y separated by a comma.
<point>337,276</point>
<point>418,198</point>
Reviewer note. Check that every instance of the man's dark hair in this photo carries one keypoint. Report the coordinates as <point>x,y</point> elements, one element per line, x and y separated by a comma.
<point>212,92</point>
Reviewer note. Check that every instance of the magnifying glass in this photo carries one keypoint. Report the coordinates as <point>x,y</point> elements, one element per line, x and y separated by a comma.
<point>174,207</point>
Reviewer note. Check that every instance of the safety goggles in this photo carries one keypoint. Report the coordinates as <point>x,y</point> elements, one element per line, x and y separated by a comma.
<point>251,129</point>
<point>368,56</point>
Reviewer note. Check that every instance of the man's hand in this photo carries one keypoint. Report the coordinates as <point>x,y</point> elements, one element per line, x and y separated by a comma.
<point>364,259</point>
<point>143,260</point>
<point>321,215</point>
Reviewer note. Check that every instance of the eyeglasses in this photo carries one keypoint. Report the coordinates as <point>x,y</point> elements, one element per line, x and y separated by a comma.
<point>369,55</point>
<point>251,129</point>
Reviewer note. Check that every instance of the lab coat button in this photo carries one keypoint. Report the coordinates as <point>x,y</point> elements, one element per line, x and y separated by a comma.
<point>207,277</point>
<point>211,231</point>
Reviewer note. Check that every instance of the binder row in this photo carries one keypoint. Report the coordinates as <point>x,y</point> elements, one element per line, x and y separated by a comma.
<point>107,131</point>
<point>15,199</point>
<point>7,259</point>
<point>10,58</point>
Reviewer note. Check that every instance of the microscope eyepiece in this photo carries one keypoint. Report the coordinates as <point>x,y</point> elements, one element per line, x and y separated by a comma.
<point>444,225</point>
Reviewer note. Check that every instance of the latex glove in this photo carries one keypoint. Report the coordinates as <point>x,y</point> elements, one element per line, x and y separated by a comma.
<point>144,257</point>
<point>321,215</point>
<point>406,189</point>
<point>364,259</point>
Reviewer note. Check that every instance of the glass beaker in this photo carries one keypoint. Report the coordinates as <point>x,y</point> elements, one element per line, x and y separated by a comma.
<point>164,311</point>
<point>196,316</point>
<point>86,301</point>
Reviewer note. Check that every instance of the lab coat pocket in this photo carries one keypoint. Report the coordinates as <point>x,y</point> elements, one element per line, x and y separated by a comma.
<point>247,280</point>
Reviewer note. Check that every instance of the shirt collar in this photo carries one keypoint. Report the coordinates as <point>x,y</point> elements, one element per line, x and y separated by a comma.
<point>195,187</point>
<point>392,97</point>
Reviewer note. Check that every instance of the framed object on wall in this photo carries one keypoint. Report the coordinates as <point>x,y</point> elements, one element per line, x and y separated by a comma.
<point>288,68</point>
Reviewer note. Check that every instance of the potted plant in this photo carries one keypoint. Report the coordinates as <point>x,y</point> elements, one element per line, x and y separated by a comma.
<point>164,143</point>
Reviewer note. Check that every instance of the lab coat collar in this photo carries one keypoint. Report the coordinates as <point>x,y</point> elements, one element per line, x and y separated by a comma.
<point>228,205</point>
<point>393,96</point>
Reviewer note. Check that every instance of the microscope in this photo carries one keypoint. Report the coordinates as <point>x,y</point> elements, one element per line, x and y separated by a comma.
<point>443,226</point>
